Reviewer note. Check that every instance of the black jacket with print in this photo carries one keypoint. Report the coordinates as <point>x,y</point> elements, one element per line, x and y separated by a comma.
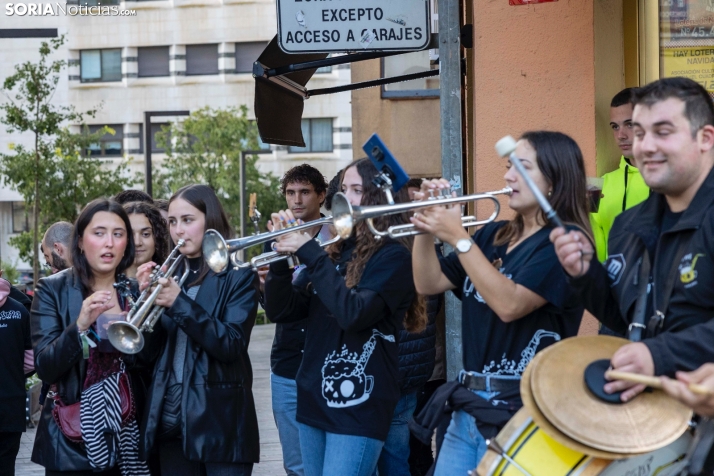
<point>684,254</point>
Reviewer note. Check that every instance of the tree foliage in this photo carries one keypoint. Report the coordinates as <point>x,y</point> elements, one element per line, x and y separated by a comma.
<point>206,148</point>
<point>53,175</point>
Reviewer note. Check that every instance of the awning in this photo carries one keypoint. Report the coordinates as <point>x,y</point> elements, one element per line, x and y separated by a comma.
<point>280,91</point>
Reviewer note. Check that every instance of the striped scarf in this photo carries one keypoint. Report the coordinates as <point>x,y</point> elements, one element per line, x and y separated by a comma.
<point>105,440</point>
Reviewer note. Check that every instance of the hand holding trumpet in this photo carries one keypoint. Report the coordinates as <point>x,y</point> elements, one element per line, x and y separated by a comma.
<point>290,242</point>
<point>444,222</point>
<point>170,288</point>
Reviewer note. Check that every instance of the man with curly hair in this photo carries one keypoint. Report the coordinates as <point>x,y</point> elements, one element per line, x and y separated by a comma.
<point>304,188</point>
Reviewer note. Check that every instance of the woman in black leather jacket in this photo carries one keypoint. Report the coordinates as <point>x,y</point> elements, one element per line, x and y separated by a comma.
<point>65,310</point>
<point>200,411</point>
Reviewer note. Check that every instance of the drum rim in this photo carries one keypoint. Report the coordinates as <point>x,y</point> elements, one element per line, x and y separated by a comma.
<point>599,342</point>
<point>551,430</point>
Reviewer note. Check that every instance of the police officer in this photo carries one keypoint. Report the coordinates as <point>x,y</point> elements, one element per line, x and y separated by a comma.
<point>671,233</point>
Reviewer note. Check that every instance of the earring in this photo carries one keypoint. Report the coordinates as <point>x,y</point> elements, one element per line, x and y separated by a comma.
<point>550,192</point>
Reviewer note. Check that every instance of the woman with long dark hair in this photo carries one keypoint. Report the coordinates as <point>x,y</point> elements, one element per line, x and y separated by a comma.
<point>200,410</point>
<point>357,295</point>
<point>515,296</point>
<point>151,235</point>
<point>69,311</point>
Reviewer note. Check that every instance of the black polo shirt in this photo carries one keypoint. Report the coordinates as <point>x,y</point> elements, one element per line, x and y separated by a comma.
<point>491,346</point>
<point>14,340</point>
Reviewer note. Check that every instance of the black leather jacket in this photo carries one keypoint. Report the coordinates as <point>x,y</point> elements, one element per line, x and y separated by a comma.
<point>218,412</point>
<point>58,359</point>
<point>682,256</point>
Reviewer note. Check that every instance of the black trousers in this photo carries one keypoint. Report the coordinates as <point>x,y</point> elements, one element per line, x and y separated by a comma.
<point>174,463</point>
<point>9,447</point>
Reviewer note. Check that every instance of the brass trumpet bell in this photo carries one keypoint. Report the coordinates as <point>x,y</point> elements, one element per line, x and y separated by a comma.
<point>346,216</point>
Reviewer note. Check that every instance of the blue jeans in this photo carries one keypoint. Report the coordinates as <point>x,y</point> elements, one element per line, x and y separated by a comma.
<point>463,445</point>
<point>284,393</point>
<point>332,454</point>
<point>394,460</point>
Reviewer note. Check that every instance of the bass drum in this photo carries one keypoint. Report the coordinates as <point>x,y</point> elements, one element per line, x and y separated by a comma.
<point>529,451</point>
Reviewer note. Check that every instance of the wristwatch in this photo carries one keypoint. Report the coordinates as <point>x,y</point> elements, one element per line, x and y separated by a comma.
<point>463,245</point>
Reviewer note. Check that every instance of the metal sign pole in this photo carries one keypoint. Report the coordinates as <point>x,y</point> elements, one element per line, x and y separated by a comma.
<point>451,152</point>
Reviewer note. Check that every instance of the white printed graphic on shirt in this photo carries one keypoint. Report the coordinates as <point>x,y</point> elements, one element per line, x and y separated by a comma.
<point>344,383</point>
<point>7,315</point>
<point>509,367</point>
<point>469,286</point>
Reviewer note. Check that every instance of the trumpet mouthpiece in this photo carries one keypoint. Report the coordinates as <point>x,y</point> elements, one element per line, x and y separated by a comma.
<point>505,146</point>
<point>180,243</point>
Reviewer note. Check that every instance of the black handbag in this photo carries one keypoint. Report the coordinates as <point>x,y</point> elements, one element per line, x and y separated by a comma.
<point>170,422</point>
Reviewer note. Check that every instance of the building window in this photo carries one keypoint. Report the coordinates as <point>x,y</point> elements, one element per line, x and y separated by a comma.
<point>156,128</point>
<point>109,145</point>
<point>201,59</point>
<point>20,219</point>
<point>317,134</point>
<point>247,54</point>
<point>409,63</point>
<point>100,65</point>
<point>153,61</point>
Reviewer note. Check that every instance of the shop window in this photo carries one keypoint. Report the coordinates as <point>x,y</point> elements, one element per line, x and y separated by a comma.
<point>153,61</point>
<point>409,63</point>
<point>201,59</point>
<point>686,34</point>
<point>100,65</point>
<point>109,145</point>
<point>317,134</point>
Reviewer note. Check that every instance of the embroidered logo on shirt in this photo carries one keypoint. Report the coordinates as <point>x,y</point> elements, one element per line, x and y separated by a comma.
<point>687,272</point>
<point>615,266</point>
<point>509,367</point>
<point>344,382</point>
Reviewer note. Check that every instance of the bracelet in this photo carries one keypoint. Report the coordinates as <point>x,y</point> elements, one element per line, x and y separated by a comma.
<point>82,333</point>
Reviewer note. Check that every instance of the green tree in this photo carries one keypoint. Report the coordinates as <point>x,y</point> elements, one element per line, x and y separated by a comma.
<point>53,175</point>
<point>206,148</point>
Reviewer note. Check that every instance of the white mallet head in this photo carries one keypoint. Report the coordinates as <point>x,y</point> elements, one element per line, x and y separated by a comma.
<point>506,146</point>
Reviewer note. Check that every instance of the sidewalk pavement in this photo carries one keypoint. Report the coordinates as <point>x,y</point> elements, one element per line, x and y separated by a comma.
<point>271,455</point>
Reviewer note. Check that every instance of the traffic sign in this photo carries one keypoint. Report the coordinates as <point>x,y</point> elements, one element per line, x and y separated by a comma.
<point>321,26</point>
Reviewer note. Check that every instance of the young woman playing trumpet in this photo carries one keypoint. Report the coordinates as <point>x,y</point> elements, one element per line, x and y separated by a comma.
<point>200,411</point>
<point>515,296</point>
<point>356,296</point>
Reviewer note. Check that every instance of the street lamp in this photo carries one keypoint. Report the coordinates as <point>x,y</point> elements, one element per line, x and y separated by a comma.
<point>147,141</point>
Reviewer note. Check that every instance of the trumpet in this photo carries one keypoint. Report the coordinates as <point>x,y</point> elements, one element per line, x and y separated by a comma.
<point>218,252</point>
<point>346,216</point>
<point>126,336</point>
<point>271,257</point>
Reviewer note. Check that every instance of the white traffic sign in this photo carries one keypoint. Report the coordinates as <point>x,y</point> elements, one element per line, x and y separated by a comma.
<point>317,26</point>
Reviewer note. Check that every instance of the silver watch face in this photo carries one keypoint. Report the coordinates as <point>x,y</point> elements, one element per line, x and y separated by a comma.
<point>463,245</point>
